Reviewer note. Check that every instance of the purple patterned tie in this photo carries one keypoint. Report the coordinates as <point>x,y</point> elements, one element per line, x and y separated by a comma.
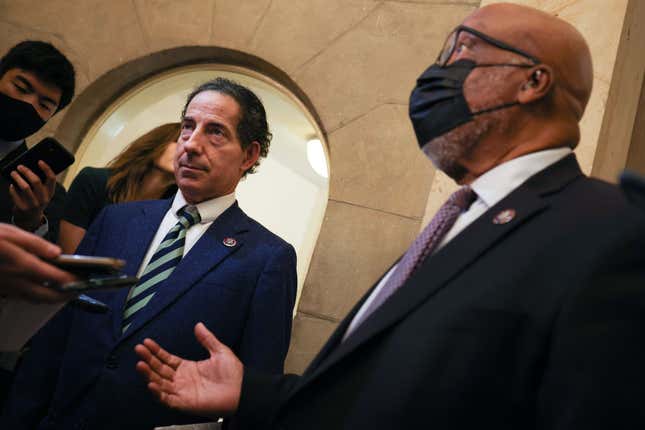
<point>423,246</point>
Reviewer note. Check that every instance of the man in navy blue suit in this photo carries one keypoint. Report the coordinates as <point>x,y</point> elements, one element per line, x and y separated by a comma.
<point>198,256</point>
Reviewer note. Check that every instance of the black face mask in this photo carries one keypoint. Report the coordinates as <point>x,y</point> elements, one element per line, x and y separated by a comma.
<point>18,119</point>
<point>437,103</point>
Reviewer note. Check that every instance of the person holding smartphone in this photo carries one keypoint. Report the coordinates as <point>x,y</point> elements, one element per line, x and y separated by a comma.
<point>36,82</point>
<point>24,270</point>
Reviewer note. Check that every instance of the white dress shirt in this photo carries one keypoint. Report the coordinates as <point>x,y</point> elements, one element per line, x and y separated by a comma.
<point>491,188</point>
<point>209,210</point>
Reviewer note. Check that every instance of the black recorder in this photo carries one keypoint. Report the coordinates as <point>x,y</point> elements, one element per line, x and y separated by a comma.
<point>49,150</point>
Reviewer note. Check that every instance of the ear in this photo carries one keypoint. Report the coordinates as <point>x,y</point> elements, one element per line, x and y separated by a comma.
<point>538,83</point>
<point>251,155</point>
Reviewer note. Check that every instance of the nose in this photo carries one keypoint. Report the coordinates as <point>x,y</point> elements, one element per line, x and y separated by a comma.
<point>193,143</point>
<point>33,100</point>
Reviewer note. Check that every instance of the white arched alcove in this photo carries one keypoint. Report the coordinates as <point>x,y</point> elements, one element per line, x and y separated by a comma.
<point>288,194</point>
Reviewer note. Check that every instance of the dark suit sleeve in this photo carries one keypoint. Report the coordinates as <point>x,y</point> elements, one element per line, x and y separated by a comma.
<point>267,331</point>
<point>595,376</point>
<point>261,396</point>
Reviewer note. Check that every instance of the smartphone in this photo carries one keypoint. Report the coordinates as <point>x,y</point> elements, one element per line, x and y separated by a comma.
<point>49,150</point>
<point>87,265</point>
<point>99,283</point>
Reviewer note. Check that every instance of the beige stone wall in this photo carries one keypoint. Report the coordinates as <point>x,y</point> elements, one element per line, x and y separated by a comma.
<point>615,33</point>
<point>354,60</point>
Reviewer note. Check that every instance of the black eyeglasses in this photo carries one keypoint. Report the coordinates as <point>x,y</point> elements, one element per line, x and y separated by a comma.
<point>451,43</point>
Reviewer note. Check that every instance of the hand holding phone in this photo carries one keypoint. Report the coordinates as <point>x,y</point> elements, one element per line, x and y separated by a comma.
<point>96,273</point>
<point>48,150</point>
<point>33,180</point>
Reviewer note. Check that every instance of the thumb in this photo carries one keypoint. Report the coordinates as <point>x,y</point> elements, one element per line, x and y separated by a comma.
<point>208,339</point>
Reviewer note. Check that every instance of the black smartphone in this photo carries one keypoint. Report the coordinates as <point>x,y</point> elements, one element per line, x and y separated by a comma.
<point>99,283</point>
<point>87,264</point>
<point>49,150</point>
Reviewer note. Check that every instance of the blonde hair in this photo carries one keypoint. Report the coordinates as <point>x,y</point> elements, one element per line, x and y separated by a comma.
<point>137,160</point>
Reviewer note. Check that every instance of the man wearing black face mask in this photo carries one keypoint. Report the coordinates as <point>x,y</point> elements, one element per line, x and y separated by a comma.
<point>519,306</point>
<point>36,81</point>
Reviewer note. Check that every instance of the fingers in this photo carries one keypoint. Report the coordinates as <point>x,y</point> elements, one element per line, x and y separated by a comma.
<point>208,339</point>
<point>34,292</point>
<point>50,177</point>
<point>23,273</point>
<point>157,359</point>
<point>164,356</point>
<point>29,242</point>
<point>143,368</point>
<point>30,192</point>
<point>21,193</point>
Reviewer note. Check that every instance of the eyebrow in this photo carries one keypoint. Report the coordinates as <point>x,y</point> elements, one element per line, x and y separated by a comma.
<point>210,123</point>
<point>31,88</point>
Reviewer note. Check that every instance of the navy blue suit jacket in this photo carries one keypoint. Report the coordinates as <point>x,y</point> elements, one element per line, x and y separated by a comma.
<point>80,371</point>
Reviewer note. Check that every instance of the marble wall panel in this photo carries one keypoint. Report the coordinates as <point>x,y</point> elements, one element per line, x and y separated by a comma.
<point>378,61</point>
<point>307,338</point>
<point>100,34</point>
<point>376,162</point>
<point>169,23</point>
<point>236,21</point>
<point>356,245</point>
<point>294,32</point>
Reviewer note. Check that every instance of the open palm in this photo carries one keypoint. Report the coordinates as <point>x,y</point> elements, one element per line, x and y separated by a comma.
<point>209,388</point>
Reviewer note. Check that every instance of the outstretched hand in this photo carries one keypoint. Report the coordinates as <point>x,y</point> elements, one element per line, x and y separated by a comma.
<point>209,388</point>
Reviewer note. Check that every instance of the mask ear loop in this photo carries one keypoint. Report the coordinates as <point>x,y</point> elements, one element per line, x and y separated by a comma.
<point>505,105</point>
<point>493,109</point>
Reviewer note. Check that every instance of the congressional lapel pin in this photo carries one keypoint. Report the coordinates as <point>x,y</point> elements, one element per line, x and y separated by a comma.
<point>230,242</point>
<point>504,216</point>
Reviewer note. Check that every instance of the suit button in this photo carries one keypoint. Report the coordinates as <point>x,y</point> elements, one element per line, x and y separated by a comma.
<point>111,362</point>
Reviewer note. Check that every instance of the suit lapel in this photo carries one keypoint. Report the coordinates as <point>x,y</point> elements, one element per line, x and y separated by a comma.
<point>208,252</point>
<point>138,233</point>
<point>438,270</point>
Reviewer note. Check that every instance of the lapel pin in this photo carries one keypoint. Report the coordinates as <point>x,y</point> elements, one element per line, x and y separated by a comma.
<point>504,216</point>
<point>230,242</point>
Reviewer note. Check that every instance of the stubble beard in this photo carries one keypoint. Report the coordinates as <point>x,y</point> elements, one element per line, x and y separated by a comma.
<point>447,151</point>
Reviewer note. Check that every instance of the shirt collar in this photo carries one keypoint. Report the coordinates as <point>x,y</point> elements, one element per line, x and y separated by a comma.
<point>209,210</point>
<point>497,183</point>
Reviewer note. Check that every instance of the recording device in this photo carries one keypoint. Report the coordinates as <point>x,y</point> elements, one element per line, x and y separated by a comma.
<point>95,273</point>
<point>85,265</point>
<point>49,150</point>
<point>99,283</point>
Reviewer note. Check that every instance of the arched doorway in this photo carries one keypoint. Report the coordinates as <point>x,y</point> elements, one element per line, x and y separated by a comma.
<point>289,192</point>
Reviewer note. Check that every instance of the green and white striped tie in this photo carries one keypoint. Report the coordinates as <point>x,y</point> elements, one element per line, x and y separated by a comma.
<point>161,265</point>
